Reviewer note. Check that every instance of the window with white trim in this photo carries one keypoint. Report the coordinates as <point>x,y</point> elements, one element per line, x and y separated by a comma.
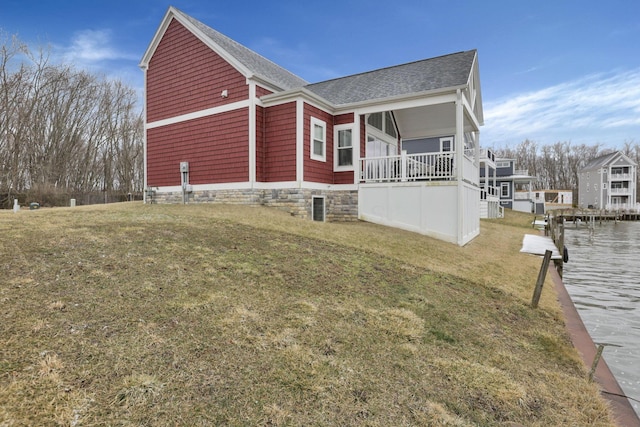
<point>504,189</point>
<point>318,140</point>
<point>343,147</point>
<point>446,145</point>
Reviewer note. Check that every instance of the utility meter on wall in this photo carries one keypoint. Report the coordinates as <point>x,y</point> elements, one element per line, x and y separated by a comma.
<point>184,166</point>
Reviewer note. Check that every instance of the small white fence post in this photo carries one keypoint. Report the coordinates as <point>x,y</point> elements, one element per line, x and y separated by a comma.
<point>403,166</point>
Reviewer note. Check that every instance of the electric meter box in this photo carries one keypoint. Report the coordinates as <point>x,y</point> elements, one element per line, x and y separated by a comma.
<point>184,166</point>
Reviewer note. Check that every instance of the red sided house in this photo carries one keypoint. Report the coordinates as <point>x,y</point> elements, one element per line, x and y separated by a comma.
<point>397,146</point>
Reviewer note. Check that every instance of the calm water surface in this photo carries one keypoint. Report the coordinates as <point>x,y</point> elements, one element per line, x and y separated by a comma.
<point>603,279</point>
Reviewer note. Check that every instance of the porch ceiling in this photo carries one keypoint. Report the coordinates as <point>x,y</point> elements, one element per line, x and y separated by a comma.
<point>430,120</point>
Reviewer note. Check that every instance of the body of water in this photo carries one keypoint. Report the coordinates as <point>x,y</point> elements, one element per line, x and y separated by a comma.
<point>603,279</point>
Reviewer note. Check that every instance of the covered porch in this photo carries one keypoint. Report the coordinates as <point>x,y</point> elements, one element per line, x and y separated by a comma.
<point>427,178</point>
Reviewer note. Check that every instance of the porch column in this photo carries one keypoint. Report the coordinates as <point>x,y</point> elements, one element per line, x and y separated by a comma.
<point>459,144</point>
<point>355,141</point>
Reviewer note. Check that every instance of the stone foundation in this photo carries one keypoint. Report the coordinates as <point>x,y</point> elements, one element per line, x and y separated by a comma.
<point>340,205</point>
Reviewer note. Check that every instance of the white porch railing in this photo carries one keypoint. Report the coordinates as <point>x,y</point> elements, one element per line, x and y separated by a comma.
<point>409,167</point>
<point>488,192</point>
<point>487,154</point>
<point>522,195</point>
<point>622,207</point>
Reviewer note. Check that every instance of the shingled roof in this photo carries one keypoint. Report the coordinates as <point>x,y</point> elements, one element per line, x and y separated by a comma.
<point>448,71</point>
<point>606,159</point>
<point>421,76</point>
<point>254,62</point>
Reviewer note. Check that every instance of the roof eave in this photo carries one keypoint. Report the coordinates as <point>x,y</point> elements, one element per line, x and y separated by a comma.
<point>173,13</point>
<point>153,45</point>
<point>398,98</point>
<point>293,94</point>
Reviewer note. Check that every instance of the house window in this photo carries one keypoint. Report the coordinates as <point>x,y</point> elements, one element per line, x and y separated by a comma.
<point>446,144</point>
<point>384,122</point>
<point>317,208</point>
<point>504,189</point>
<point>502,164</point>
<point>343,147</point>
<point>318,140</point>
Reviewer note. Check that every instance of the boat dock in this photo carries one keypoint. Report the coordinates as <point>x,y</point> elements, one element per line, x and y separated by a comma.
<point>596,215</point>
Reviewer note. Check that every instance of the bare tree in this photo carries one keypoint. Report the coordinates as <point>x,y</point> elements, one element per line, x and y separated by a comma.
<point>63,130</point>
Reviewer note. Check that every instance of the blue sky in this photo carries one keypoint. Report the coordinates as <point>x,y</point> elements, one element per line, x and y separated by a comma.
<point>551,70</point>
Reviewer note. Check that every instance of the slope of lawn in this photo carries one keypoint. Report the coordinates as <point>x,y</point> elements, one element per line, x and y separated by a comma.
<point>208,315</point>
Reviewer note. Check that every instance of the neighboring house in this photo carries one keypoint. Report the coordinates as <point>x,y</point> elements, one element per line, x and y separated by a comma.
<point>489,199</point>
<point>608,182</point>
<point>514,186</point>
<point>224,124</point>
<point>546,200</point>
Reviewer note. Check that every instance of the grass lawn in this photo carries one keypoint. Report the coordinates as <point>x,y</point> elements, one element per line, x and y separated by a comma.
<point>209,315</point>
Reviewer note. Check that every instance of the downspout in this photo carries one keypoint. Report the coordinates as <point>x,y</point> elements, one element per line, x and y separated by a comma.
<point>299,142</point>
<point>144,133</point>
<point>252,134</point>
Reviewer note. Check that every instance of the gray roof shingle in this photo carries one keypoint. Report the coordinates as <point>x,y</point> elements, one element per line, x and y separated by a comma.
<point>254,62</point>
<point>420,76</point>
<point>604,160</point>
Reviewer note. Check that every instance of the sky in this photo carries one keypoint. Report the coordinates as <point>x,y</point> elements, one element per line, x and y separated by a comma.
<point>550,70</point>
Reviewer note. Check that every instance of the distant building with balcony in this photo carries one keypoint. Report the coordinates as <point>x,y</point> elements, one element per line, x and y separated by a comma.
<point>546,200</point>
<point>608,182</point>
<point>514,187</point>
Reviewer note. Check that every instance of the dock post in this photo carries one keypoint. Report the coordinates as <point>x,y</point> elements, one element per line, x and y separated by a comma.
<point>541,276</point>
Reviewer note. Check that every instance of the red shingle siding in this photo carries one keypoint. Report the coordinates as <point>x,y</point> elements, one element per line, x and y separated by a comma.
<point>343,177</point>
<point>343,119</point>
<point>185,75</point>
<point>314,170</point>
<point>260,169</point>
<point>216,147</point>
<point>260,91</point>
<point>280,143</point>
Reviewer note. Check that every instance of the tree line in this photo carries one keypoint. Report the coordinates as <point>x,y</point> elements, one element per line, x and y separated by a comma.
<point>557,165</point>
<point>65,133</point>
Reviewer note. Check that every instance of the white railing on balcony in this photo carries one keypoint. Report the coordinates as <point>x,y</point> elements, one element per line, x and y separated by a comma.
<point>470,172</point>
<point>409,167</point>
<point>620,190</point>
<point>522,195</point>
<point>620,176</point>
<point>487,154</point>
<point>488,192</point>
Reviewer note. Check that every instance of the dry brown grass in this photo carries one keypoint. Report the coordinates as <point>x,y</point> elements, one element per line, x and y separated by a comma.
<point>219,315</point>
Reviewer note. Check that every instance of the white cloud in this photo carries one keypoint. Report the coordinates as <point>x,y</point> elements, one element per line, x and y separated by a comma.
<point>601,108</point>
<point>299,60</point>
<point>93,46</point>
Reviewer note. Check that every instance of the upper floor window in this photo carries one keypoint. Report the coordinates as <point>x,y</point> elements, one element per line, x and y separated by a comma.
<point>446,144</point>
<point>503,164</point>
<point>343,147</point>
<point>318,140</point>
